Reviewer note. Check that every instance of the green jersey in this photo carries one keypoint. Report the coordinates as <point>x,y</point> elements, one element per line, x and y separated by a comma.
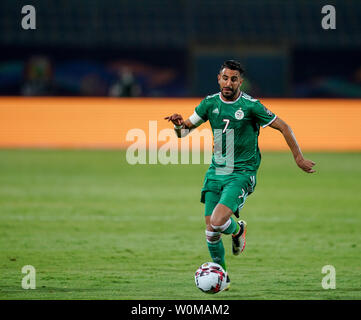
<point>235,126</point>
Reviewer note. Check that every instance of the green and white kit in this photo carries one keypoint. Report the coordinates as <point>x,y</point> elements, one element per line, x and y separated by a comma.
<point>231,176</point>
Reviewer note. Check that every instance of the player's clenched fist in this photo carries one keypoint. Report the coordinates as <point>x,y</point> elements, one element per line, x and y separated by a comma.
<point>306,165</point>
<point>176,118</point>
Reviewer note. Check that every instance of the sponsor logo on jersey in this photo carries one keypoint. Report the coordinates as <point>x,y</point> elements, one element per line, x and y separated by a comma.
<point>215,111</point>
<point>239,114</point>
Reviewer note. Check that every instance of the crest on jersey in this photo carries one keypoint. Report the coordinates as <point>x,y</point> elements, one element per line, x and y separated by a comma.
<point>239,114</point>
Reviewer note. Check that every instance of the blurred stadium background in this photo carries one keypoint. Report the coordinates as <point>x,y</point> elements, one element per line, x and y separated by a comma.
<point>93,70</point>
<point>174,48</point>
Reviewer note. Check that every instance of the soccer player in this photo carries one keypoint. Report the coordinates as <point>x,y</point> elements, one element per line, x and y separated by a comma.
<point>235,118</point>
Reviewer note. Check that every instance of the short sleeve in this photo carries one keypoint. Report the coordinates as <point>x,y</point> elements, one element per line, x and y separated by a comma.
<point>262,115</point>
<point>201,110</point>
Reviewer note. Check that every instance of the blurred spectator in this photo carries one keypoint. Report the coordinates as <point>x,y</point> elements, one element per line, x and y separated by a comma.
<point>38,76</point>
<point>125,86</point>
<point>92,84</point>
<point>332,86</point>
<point>357,76</point>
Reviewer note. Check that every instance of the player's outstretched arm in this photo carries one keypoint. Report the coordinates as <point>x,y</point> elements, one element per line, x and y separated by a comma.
<point>284,128</point>
<point>181,127</point>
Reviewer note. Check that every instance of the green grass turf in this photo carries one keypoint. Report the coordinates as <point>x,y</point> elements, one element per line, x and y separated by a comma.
<point>95,227</point>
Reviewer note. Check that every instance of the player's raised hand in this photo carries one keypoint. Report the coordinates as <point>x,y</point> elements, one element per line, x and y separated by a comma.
<point>176,118</point>
<point>306,165</point>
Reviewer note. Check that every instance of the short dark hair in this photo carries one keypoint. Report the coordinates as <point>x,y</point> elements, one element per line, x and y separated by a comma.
<point>233,65</point>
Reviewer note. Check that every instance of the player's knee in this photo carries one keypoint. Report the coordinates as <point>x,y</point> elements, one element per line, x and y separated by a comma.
<point>219,220</point>
<point>215,221</point>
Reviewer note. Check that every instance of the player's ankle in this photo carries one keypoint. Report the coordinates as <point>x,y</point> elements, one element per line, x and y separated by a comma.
<point>240,230</point>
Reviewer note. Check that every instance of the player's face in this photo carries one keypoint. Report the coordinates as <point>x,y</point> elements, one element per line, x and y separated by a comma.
<point>229,82</point>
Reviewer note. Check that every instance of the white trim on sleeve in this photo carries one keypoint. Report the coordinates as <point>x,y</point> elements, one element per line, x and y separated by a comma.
<point>267,124</point>
<point>196,119</point>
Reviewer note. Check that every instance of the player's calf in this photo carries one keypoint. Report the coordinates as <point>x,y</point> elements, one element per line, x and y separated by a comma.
<point>216,248</point>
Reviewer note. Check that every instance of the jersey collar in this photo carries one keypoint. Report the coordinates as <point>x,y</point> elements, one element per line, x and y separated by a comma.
<point>230,102</point>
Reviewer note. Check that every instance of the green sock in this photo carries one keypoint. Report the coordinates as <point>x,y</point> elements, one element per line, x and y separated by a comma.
<point>233,227</point>
<point>217,253</point>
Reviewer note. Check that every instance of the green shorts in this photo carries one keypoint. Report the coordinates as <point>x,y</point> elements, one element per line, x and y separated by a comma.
<point>229,190</point>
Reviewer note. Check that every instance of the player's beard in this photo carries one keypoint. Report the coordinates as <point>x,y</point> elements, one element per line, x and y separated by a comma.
<point>228,94</point>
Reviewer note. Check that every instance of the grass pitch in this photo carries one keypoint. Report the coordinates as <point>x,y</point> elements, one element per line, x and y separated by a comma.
<point>95,227</point>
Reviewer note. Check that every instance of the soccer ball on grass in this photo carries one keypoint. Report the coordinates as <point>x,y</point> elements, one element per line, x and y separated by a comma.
<point>211,278</point>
